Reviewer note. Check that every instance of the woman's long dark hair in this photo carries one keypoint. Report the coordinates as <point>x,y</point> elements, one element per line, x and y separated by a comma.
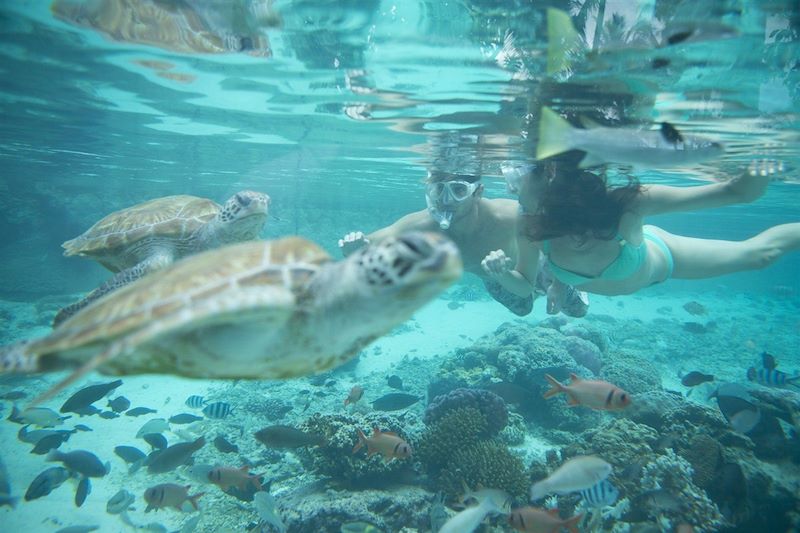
<point>573,201</point>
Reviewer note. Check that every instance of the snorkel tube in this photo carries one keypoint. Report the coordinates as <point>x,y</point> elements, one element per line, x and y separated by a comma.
<point>442,217</point>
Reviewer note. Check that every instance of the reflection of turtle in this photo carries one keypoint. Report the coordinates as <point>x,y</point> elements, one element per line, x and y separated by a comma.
<point>274,309</point>
<point>148,236</point>
<point>186,27</point>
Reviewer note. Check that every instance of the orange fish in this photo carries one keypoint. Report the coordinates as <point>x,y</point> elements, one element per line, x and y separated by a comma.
<point>590,393</point>
<point>355,394</point>
<point>227,476</point>
<point>169,495</point>
<point>386,443</point>
<point>536,520</point>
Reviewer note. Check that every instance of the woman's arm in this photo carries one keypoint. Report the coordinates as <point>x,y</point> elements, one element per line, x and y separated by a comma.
<point>658,199</point>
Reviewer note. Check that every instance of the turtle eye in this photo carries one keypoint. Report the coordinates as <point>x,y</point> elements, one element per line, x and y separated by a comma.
<point>243,200</point>
<point>416,244</point>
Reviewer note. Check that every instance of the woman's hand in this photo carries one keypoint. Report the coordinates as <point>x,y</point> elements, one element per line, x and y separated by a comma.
<point>497,264</point>
<point>752,183</point>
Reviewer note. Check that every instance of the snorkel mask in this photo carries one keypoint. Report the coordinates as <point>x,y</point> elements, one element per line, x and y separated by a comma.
<point>514,174</point>
<point>443,197</point>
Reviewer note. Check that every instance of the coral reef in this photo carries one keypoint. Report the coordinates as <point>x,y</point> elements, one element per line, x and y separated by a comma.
<point>521,354</point>
<point>336,459</point>
<point>670,474</point>
<point>704,454</point>
<point>651,407</point>
<point>587,332</point>
<point>457,447</point>
<point>325,512</point>
<point>491,405</point>
<point>514,433</point>
<point>584,353</point>
<point>458,427</point>
<point>631,372</point>
<point>484,464</point>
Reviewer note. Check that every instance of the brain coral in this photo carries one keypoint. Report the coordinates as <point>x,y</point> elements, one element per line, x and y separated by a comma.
<point>491,405</point>
<point>631,372</point>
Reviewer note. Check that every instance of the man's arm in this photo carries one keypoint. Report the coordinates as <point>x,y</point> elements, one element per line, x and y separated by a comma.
<point>355,240</point>
<point>515,279</point>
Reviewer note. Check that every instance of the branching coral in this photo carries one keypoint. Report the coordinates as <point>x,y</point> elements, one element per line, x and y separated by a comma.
<point>456,428</point>
<point>672,475</point>
<point>484,464</point>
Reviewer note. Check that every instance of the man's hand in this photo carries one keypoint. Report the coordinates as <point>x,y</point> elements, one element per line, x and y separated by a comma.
<point>497,263</point>
<point>351,242</point>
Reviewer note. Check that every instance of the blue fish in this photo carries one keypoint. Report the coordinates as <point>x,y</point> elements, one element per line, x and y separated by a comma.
<point>84,489</point>
<point>195,402</point>
<point>600,495</point>
<point>772,378</point>
<point>217,410</point>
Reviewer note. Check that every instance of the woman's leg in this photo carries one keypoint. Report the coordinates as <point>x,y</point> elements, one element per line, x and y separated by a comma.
<point>708,258</point>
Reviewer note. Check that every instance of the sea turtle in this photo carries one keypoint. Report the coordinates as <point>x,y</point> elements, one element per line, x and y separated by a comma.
<point>151,235</point>
<point>259,309</point>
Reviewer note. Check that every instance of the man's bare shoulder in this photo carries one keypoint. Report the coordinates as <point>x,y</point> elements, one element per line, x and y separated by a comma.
<point>417,221</point>
<point>502,209</point>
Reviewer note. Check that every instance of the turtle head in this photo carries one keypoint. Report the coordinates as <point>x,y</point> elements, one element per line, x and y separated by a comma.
<point>412,267</point>
<point>243,216</point>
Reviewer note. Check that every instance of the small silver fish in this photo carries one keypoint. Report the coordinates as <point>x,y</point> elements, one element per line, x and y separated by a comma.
<point>267,510</point>
<point>576,474</point>
<point>156,425</point>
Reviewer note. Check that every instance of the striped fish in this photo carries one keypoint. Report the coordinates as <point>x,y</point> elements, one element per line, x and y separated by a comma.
<point>772,378</point>
<point>195,402</point>
<point>600,495</point>
<point>217,410</point>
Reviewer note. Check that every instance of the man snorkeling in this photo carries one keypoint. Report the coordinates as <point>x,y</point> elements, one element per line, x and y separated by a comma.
<point>478,226</point>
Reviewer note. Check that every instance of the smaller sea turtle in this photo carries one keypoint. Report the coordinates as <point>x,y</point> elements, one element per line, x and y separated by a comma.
<point>151,235</point>
<point>253,310</point>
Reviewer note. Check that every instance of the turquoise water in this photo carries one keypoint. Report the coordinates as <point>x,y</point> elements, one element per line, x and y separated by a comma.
<point>337,110</point>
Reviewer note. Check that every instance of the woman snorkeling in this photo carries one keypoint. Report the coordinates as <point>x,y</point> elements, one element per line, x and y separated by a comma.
<point>595,238</point>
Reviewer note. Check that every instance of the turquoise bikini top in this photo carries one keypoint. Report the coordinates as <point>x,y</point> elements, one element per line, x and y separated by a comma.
<point>627,263</point>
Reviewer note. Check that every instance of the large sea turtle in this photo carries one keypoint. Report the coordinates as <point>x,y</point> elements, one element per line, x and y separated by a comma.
<point>274,309</point>
<point>149,236</point>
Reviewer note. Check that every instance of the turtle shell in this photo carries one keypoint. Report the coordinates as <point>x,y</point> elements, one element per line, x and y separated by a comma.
<point>170,217</point>
<point>140,327</point>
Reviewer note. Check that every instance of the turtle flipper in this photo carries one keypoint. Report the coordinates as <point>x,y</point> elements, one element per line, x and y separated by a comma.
<point>17,358</point>
<point>93,363</point>
<point>122,278</point>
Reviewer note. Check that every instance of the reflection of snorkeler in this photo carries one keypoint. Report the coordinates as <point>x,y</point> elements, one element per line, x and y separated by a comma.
<point>477,225</point>
<point>220,27</point>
